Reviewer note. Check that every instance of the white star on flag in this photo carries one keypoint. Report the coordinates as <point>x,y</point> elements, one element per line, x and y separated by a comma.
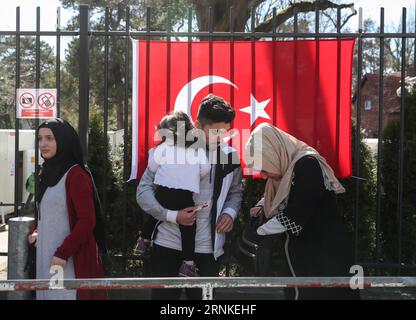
<point>256,109</point>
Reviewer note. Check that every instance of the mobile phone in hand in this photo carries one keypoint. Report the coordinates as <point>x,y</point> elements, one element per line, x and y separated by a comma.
<point>202,205</point>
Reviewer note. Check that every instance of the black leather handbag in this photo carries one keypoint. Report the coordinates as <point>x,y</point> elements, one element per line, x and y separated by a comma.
<point>254,251</point>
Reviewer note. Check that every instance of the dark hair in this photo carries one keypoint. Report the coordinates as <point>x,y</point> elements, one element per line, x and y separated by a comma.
<point>214,109</point>
<point>175,122</point>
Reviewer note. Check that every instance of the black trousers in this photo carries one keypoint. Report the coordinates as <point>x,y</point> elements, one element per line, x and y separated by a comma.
<point>165,262</point>
<point>175,199</point>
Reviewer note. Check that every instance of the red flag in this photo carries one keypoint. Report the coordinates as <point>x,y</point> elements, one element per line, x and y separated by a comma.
<point>301,86</point>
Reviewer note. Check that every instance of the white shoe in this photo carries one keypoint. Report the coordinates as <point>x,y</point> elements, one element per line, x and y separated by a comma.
<point>271,227</point>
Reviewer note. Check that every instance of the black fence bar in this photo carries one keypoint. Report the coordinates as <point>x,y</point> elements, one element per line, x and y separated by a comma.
<point>168,60</point>
<point>317,74</point>
<point>414,46</point>
<point>295,61</point>
<point>148,58</point>
<point>357,137</point>
<point>84,66</point>
<point>274,70</point>
<point>401,148</point>
<point>189,74</point>
<point>380,134</point>
<point>238,34</point>
<point>210,47</point>
<point>231,20</point>
<point>105,107</point>
<point>17,122</point>
<point>253,56</point>
<point>253,90</point>
<point>37,87</point>
<point>338,80</point>
<point>58,62</point>
<point>202,34</point>
<point>295,22</point>
<point>41,33</point>
<point>126,130</point>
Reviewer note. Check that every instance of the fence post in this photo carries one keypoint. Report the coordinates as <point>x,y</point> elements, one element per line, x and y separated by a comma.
<point>18,247</point>
<point>84,76</point>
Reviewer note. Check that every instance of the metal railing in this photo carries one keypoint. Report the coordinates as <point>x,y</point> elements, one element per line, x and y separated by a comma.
<point>207,284</point>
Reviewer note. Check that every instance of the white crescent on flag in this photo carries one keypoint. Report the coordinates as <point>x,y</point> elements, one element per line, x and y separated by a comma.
<point>188,92</point>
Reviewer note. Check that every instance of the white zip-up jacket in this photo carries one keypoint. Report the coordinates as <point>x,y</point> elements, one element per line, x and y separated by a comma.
<point>226,198</point>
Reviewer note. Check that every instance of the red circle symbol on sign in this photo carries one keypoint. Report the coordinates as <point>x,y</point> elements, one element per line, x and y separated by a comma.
<point>46,101</point>
<point>27,100</point>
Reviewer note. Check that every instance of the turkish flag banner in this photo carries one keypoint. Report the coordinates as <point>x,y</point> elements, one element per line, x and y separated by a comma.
<point>302,86</point>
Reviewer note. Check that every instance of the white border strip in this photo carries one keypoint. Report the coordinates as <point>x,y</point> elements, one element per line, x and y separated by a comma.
<point>135,113</point>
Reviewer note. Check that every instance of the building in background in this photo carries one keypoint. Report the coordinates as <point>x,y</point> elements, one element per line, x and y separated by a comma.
<point>370,100</point>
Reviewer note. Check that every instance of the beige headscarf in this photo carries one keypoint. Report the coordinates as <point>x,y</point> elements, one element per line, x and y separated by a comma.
<point>273,150</point>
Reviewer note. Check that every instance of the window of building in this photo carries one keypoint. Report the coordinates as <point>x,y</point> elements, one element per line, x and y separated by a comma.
<point>367,105</point>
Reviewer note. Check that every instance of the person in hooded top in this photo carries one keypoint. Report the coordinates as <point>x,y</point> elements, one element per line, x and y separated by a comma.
<point>300,201</point>
<point>69,234</point>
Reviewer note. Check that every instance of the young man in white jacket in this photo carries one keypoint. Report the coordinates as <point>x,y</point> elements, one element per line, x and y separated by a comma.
<point>222,188</point>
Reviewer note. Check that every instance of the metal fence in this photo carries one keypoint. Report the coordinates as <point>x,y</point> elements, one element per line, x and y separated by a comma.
<point>84,34</point>
<point>208,284</point>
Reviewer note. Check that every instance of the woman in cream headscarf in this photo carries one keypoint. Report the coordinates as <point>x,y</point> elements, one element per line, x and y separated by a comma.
<point>300,200</point>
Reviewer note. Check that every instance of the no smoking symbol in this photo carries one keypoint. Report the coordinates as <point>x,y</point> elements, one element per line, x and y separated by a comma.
<point>46,101</point>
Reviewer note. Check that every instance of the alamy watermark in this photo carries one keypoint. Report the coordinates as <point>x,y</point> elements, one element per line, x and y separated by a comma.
<point>57,279</point>
<point>188,148</point>
<point>357,280</point>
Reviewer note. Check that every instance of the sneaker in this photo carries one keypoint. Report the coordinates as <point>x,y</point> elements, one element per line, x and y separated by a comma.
<point>142,246</point>
<point>188,270</point>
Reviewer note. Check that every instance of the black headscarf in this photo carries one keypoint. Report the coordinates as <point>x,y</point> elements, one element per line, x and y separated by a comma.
<point>68,154</point>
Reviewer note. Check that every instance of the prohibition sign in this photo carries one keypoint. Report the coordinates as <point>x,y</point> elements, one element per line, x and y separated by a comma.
<point>26,100</point>
<point>46,100</point>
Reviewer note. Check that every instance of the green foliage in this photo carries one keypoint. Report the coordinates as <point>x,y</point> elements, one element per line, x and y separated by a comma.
<point>117,57</point>
<point>390,181</point>
<point>27,74</point>
<point>366,200</point>
<point>98,160</point>
<point>124,202</point>
<point>115,199</point>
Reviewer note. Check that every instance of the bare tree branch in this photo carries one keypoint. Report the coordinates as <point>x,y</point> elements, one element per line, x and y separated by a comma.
<point>303,6</point>
<point>330,18</point>
<point>348,18</point>
<point>334,22</point>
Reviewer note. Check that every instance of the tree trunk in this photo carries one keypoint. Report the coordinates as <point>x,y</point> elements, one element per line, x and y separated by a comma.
<point>242,12</point>
<point>221,14</point>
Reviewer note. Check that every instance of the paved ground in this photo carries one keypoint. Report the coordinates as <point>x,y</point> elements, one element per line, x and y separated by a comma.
<point>4,235</point>
<point>3,248</point>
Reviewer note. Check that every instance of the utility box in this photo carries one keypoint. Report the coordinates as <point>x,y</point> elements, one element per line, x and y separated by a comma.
<point>26,164</point>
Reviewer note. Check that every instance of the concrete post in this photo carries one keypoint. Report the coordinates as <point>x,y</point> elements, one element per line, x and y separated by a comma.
<point>19,229</point>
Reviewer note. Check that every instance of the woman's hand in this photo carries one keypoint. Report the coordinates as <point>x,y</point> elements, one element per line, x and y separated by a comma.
<point>58,262</point>
<point>256,211</point>
<point>32,238</point>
